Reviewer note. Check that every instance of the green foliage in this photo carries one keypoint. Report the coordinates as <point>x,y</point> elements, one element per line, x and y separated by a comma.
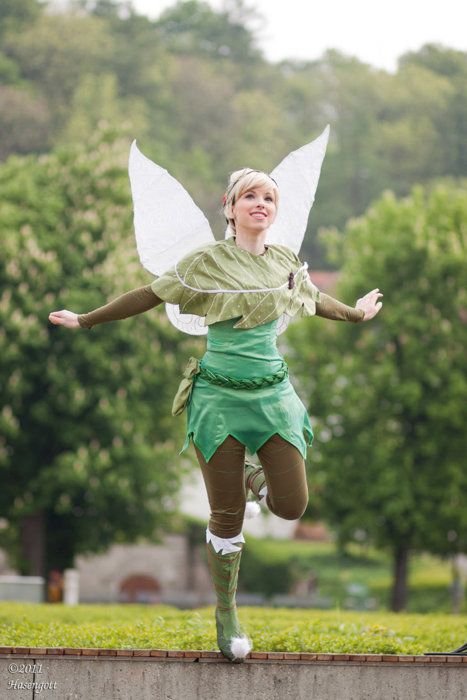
<point>193,27</point>
<point>102,8</point>
<point>9,70</point>
<point>160,627</point>
<point>193,87</point>
<point>450,65</point>
<point>267,568</point>
<point>96,103</point>
<point>56,51</point>
<point>275,567</point>
<point>26,119</point>
<point>390,396</point>
<point>17,14</point>
<point>87,434</point>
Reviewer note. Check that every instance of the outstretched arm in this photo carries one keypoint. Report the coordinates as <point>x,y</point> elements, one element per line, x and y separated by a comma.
<point>365,308</point>
<point>129,304</point>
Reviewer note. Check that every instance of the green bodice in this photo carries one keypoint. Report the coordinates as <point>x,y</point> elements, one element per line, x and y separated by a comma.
<point>257,351</point>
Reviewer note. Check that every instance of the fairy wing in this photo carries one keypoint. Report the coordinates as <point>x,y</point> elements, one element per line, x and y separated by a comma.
<point>168,224</point>
<point>188,323</point>
<point>297,177</point>
<point>282,323</point>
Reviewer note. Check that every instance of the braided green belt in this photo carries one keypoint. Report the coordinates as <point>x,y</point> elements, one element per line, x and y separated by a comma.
<point>194,368</point>
<point>237,383</point>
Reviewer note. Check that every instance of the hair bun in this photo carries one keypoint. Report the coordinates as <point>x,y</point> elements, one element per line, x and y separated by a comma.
<point>238,174</point>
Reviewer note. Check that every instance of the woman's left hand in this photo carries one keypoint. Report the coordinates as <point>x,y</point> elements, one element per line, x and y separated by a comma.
<point>370,304</point>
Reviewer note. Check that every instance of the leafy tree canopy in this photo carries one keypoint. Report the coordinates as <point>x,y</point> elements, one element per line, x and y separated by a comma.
<point>88,441</point>
<point>390,395</point>
<point>191,26</point>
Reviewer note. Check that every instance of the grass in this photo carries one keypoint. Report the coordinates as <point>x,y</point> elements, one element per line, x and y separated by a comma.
<point>272,629</point>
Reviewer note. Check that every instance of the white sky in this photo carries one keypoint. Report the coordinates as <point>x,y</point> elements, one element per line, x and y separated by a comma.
<point>375,32</point>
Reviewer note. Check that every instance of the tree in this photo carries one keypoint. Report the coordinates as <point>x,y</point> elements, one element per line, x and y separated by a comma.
<point>25,120</point>
<point>390,396</point>
<point>88,446</point>
<point>450,65</point>
<point>95,103</point>
<point>56,52</point>
<point>17,14</point>
<point>416,114</point>
<point>193,27</point>
<point>197,93</point>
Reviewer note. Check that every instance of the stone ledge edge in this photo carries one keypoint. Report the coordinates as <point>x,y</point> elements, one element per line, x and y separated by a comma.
<point>304,657</point>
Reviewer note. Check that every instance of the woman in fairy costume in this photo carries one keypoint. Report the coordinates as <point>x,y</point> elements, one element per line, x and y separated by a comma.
<point>238,396</point>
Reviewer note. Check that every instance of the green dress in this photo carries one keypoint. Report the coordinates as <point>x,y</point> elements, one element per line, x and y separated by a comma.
<point>249,415</point>
<point>242,297</point>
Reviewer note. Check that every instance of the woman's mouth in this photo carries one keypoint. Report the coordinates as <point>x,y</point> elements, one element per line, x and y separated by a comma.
<point>258,215</point>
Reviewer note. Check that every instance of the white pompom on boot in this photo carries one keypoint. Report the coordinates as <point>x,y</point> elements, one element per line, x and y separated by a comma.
<point>252,510</point>
<point>240,647</point>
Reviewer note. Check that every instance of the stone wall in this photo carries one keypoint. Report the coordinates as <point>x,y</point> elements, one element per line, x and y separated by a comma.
<point>167,564</point>
<point>145,675</point>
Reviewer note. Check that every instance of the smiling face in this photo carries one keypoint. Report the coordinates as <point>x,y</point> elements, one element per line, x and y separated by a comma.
<point>255,209</point>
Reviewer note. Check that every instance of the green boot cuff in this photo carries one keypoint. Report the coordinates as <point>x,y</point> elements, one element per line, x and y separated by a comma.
<point>254,479</point>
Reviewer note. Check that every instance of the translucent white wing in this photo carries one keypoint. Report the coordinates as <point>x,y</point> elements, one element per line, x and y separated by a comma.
<point>188,323</point>
<point>168,224</point>
<point>282,324</point>
<point>297,178</point>
<point>194,325</point>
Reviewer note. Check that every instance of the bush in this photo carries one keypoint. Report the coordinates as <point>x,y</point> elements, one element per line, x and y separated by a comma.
<point>162,627</point>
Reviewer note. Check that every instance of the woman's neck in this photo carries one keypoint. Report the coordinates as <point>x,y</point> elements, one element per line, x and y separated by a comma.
<point>252,242</point>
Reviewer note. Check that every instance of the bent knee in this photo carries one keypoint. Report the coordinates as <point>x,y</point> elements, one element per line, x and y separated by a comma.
<point>290,513</point>
<point>292,510</point>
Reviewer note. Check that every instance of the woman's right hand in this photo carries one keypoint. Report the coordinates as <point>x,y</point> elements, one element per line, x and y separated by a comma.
<point>64,318</point>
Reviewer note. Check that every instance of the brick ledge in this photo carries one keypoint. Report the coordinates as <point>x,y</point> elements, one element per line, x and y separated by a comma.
<point>159,654</point>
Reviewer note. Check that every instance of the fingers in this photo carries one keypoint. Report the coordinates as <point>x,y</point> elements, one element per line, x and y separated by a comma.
<point>377,305</point>
<point>65,318</point>
<point>59,318</point>
<point>370,297</point>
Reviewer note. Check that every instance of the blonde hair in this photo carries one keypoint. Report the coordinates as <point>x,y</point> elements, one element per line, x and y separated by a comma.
<point>240,182</point>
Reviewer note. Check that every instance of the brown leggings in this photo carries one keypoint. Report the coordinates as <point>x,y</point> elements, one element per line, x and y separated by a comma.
<point>224,476</point>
